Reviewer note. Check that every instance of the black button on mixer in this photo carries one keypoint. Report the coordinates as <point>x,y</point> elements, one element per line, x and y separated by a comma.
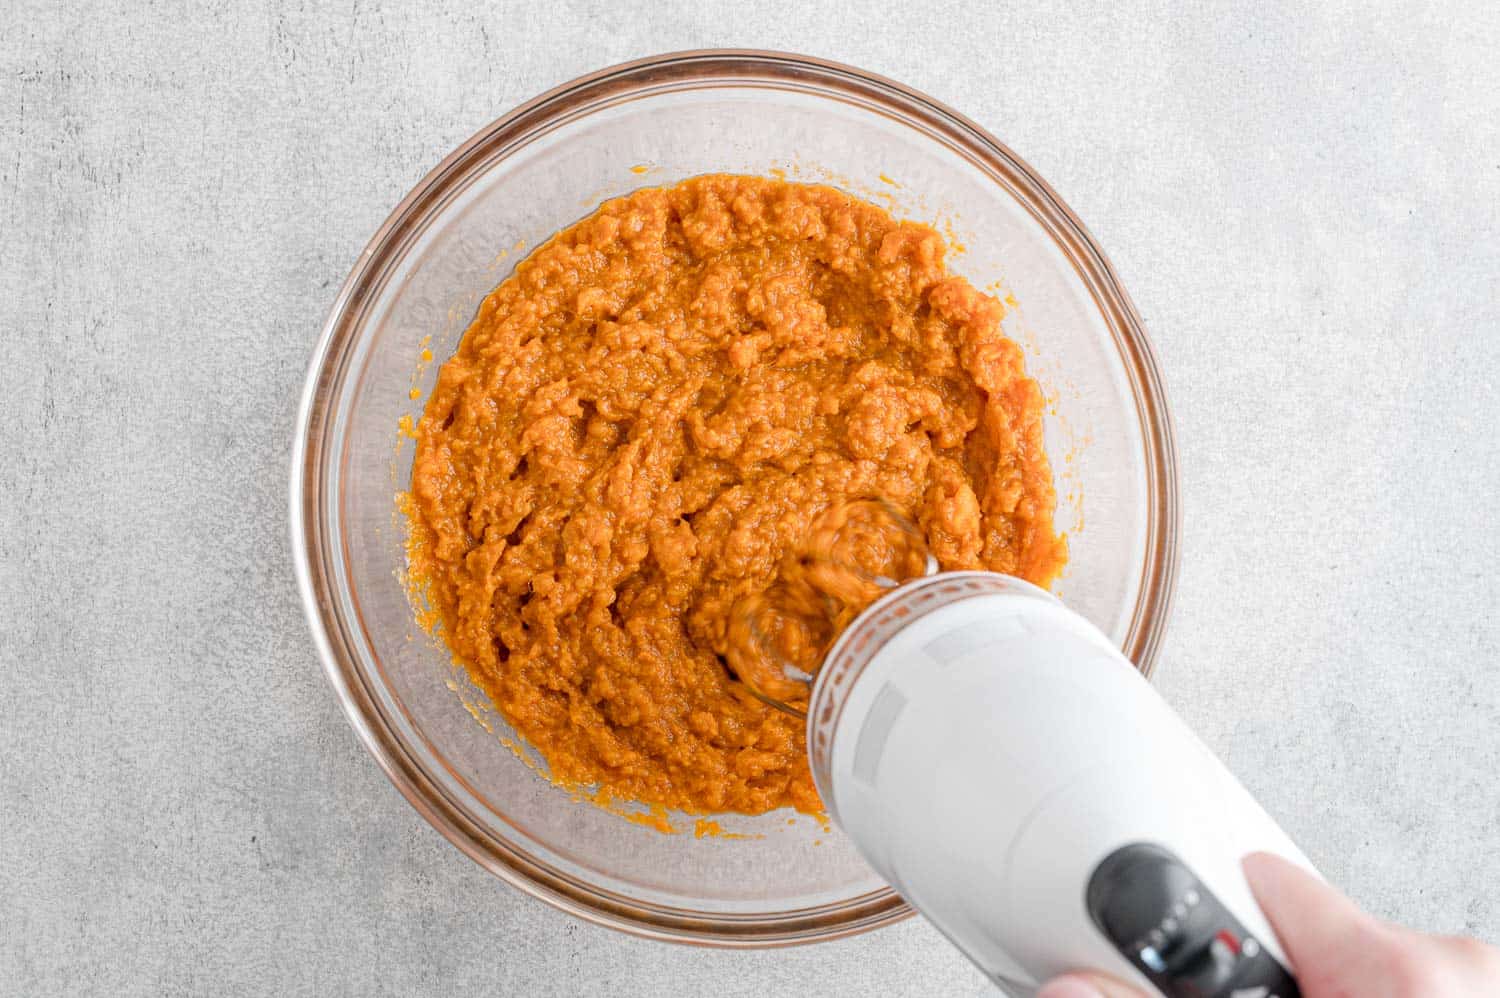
<point>1161,918</point>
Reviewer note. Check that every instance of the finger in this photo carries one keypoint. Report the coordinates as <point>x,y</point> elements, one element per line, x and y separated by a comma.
<point>1087,986</point>
<point>1317,926</point>
<point>1338,950</point>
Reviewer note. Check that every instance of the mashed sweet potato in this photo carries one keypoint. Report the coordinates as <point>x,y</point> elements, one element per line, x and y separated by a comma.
<point>638,429</point>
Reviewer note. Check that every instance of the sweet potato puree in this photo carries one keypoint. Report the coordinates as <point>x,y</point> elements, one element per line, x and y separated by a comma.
<point>637,431</point>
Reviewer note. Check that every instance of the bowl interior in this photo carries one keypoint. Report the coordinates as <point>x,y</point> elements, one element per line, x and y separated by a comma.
<point>507,197</point>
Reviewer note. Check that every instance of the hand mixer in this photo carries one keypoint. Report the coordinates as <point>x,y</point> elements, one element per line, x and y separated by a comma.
<point>1009,772</point>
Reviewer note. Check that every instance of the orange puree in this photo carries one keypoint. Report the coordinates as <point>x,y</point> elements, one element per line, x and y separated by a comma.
<point>637,431</point>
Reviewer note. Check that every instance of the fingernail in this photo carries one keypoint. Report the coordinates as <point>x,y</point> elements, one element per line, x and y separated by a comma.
<point>1260,860</point>
<point>1069,987</point>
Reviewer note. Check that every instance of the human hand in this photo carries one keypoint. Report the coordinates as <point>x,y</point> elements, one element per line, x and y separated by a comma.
<point>1335,949</point>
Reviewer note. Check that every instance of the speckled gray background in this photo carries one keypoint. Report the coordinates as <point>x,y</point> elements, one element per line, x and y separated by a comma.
<point>1304,200</point>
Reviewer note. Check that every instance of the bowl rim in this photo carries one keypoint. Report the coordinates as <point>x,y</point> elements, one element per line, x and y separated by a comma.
<point>331,361</point>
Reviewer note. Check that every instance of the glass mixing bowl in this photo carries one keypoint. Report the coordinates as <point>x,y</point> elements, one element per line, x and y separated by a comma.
<point>461,231</point>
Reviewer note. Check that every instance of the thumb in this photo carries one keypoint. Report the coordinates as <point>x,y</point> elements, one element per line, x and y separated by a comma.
<point>1317,926</point>
<point>1087,986</point>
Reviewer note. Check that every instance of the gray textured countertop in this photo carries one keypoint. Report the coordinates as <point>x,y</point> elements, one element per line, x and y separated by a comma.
<point>1305,207</point>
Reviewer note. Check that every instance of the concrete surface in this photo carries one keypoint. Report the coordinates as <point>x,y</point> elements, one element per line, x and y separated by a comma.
<point>1303,200</point>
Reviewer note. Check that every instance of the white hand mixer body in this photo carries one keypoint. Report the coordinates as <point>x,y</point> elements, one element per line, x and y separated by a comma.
<point>1014,777</point>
